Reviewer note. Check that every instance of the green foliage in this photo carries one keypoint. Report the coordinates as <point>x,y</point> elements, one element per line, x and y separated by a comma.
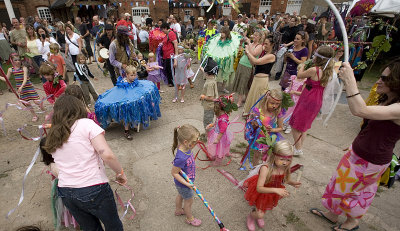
<point>308,64</point>
<point>228,105</point>
<point>287,101</point>
<point>267,140</point>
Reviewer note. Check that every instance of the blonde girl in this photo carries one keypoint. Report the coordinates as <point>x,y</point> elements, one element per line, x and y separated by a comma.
<point>185,139</point>
<point>265,189</point>
<point>153,69</point>
<point>310,101</point>
<point>270,116</point>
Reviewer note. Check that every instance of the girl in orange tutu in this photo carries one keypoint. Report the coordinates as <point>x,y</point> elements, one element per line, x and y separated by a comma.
<point>266,188</point>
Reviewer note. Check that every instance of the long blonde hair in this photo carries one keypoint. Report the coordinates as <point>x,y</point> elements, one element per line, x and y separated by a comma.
<point>275,94</point>
<point>324,59</point>
<point>283,148</point>
<point>182,133</point>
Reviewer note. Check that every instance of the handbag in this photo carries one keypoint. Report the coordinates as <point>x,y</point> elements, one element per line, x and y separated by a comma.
<point>84,51</point>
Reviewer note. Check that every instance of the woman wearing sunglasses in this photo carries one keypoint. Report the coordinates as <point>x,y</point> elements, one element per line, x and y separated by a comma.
<point>351,190</point>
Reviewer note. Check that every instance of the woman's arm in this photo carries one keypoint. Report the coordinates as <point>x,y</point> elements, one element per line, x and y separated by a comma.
<point>310,48</point>
<point>357,104</point>
<point>80,44</point>
<point>175,173</point>
<point>66,49</point>
<point>298,61</point>
<point>269,58</point>
<point>99,143</point>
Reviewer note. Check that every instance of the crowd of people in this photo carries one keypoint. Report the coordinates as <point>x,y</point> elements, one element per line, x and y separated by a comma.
<point>75,147</point>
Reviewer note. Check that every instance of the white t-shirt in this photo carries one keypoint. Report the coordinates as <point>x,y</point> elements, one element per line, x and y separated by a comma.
<point>176,27</point>
<point>78,162</point>
<point>45,49</point>
<point>144,36</point>
<point>73,50</point>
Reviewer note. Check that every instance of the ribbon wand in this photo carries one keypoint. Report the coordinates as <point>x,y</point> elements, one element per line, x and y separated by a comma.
<point>197,72</point>
<point>221,226</point>
<point>346,56</point>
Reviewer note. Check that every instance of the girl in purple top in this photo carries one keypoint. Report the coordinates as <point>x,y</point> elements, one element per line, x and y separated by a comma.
<point>296,54</point>
<point>185,139</point>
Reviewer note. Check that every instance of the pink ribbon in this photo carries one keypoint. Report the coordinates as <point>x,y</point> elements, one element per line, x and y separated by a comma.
<point>128,205</point>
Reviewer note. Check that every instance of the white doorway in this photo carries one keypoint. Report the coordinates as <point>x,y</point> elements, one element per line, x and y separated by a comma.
<point>137,14</point>
<point>293,6</point>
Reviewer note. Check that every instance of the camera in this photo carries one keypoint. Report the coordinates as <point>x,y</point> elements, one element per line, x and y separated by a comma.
<point>290,50</point>
<point>43,36</point>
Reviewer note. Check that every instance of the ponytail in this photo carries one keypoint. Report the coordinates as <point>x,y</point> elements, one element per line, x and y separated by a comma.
<point>175,141</point>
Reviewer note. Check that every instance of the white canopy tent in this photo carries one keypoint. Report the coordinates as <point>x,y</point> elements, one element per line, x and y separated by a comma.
<point>384,7</point>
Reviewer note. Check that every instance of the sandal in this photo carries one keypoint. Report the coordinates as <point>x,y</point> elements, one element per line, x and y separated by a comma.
<point>174,100</point>
<point>182,100</point>
<point>339,228</point>
<point>180,213</point>
<point>318,213</point>
<point>194,221</point>
<point>34,119</point>
<point>260,223</point>
<point>250,223</point>
<point>128,135</point>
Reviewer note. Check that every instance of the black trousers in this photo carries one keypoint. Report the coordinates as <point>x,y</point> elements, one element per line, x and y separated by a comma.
<point>111,71</point>
<point>168,70</point>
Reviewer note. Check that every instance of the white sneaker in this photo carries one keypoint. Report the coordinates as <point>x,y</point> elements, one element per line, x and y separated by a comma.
<point>288,129</point>
<point>298,152</point>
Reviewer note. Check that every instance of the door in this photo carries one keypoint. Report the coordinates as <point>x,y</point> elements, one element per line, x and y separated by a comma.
<point>293,6</point>
<point>137,14</point>
<point>264,5</point>
<point>245,9</point>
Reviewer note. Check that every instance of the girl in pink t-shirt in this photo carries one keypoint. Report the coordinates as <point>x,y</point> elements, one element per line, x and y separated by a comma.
<point>80,150</point>
<point>219,138</point>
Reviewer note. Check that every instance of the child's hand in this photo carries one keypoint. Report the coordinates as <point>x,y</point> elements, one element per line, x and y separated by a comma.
<point>202,97</point>
<point>95,78</point>
<point>19,89</point>
<point>269,128</point>
<point>216,141</point>
<point>295,184</point>
<point>282,192</point>
<point>189,185</point>
<point>210,126</point>
<point>74,82</point>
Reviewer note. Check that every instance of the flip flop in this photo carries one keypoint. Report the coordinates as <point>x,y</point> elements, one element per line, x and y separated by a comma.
<point>180,213</point>
<point>320,214</point>
<point>343,229</point>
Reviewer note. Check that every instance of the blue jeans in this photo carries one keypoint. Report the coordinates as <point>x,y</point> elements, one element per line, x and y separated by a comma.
<point>90,205</point>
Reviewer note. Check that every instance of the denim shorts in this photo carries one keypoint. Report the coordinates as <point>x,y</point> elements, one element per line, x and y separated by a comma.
<point>185,192</point>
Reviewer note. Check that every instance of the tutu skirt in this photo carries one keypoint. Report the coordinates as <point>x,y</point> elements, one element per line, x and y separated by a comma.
<point>262,201</point>
<point>222,149</point>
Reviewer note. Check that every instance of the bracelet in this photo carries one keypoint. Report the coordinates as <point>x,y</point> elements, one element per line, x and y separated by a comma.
<point>121,173</point>
<point>349,96</point>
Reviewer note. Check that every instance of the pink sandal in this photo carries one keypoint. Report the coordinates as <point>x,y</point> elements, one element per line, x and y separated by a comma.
<point>250,223</point>
<point>260,223</point>
<point>195,222</point>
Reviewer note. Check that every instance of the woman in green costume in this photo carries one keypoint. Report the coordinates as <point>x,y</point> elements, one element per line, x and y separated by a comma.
<point>245,68</point>
<point>223,48</point>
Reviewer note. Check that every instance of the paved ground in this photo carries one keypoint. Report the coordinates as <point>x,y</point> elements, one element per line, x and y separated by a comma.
<point>147,162</point>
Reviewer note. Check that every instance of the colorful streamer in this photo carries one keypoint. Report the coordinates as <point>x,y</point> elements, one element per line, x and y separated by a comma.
<point>220,224</point>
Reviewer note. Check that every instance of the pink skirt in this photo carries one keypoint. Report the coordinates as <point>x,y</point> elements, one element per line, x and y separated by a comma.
<point>222,149</point>
<point>352,189</point>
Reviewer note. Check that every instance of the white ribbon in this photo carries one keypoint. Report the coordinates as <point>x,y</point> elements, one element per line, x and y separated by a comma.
<point>346,55</point>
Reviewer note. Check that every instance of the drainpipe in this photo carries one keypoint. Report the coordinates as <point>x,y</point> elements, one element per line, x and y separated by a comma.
<point>10,9</point>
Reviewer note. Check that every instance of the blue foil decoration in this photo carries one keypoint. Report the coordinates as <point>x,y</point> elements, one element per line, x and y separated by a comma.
<point>134,103</point>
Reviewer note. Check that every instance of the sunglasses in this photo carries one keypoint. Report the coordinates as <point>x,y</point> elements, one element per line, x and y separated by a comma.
<point>384,78</point>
